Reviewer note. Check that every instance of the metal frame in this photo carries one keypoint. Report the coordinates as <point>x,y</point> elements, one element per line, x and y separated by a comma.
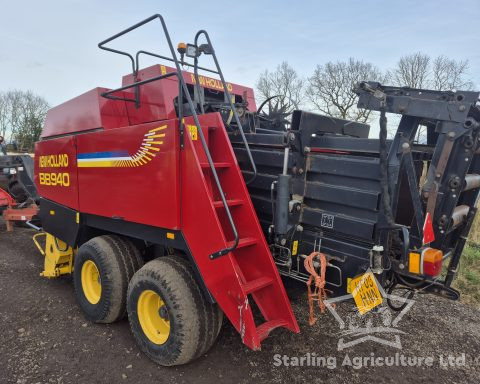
<point>453,116</point>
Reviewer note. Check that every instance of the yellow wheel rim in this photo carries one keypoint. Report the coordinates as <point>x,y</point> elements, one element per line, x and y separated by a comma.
<point>153,316</point>
<point>91,283</point>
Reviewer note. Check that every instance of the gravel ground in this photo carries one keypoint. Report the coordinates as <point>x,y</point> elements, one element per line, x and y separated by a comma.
<point>45,339</point>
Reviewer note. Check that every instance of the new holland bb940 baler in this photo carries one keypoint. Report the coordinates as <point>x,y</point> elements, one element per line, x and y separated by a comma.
<point>174,200</point>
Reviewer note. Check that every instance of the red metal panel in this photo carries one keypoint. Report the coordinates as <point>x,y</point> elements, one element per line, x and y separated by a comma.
<point>146,191</point>
<point>5,198</point>
<point>56,171</point>
<point>85,112</point>
<point>157,97</point>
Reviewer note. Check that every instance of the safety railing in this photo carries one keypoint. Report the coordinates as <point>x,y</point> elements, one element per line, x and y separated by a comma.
<point>183,90</point>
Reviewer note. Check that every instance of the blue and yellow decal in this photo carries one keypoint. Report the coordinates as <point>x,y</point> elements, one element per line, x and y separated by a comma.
<point>148,150</point>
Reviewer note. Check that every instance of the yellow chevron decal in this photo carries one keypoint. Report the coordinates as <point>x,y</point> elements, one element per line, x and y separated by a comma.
<point>147,151</point>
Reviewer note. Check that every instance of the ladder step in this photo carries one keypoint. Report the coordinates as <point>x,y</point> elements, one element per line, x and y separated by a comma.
<point>231,203</point>
<point>244,242</point>
<point>257,284</point>
<point>264,329</point>
<point>216,165</point>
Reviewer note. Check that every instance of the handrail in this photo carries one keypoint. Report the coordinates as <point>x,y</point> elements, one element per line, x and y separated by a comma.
<point>109,95</point>
<point>169,59</point>
<point>227,96</point>
<point>192,109</point>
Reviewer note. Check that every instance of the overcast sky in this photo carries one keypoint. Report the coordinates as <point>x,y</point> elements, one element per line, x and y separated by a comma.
<point>50,47</point>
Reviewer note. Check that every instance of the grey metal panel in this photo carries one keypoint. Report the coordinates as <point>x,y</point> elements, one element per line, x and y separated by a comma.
<point>351,166</point>
<point>347,188</point>
<point>342,209</point>
<point>341,223</point>
<point>315,123</point>
<point>261,204</point>
<point>343,195</point>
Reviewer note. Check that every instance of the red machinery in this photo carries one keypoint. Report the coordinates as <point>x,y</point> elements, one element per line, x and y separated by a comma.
<point>13,212</point>
<point>124,172</point>
<point>143,199</point>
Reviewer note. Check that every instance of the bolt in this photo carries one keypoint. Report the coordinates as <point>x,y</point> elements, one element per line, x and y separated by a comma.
<point>283,241</point>
<point>451,134</point>
<point>466,159</point>
<point>461,108</point>
<point>405,146</point>
<point>401,266</point>
<point>291,136</point>
<point>306,149</point>
<point>163,312</point>
<point>300,171</point>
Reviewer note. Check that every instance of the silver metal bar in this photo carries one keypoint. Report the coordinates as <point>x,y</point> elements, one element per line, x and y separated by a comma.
<point>33,226</point>
<point>285,161</point>
<point>459,215</point>
<point>472,181</point>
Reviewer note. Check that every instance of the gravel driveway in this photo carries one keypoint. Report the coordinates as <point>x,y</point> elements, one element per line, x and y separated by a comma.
<point>45,339</point>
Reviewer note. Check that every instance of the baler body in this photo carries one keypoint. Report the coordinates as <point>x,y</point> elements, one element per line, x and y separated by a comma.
<point>102,167</point>
<point>176,162</point>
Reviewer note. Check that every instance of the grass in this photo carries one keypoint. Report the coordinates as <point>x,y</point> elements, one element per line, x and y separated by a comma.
<point>468,277</point>
<point>474,235</point>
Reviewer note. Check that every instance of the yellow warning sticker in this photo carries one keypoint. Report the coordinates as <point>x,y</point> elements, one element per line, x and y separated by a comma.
<point>365,292</point>
<point>349,287</point>
<point>193,131</point>
<point>295,248</point>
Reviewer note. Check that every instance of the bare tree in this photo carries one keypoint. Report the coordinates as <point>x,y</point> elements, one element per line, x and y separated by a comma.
<point>448,74</point>
<point>4,114</point>
<point>285,84</point>
<point>331,88</point>
<point>420,71</point>
<point>22,114</point>
<point>411,71</point>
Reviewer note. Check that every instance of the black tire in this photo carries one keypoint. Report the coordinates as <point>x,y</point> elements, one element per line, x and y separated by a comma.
<point>212,313</point>
<point>190,315</point>
<point>116,260</point>
<point>18,192</point>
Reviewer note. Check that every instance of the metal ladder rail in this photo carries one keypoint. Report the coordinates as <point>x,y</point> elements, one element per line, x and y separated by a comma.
<point>191,106</point>
<point>227,96</point>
